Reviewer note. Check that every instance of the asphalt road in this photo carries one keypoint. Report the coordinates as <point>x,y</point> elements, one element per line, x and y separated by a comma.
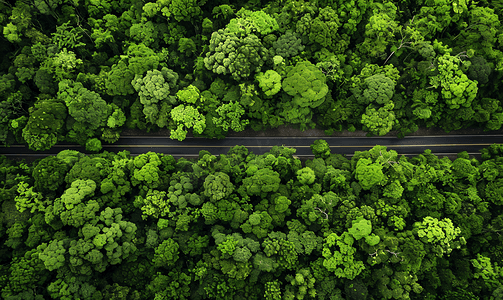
<point>446,145</point>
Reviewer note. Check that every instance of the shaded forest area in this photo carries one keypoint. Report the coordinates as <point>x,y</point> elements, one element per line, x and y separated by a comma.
<point>245,226</point>
<point>82,71</point>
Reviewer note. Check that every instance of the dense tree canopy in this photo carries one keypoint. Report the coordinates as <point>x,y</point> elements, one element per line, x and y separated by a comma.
<point>245,226</point>
<point>378,66</point>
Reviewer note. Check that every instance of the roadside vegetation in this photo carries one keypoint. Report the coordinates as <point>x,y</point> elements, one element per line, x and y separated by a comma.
<point>245,226</point>
<point>82,71</point>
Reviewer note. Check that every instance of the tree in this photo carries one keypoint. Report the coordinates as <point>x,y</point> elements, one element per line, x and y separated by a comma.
<point>306,176</point>
<point>247,21</point>
<point>269,82</point>
<point>137,60</point>
<point>379,121</point>
<point>238,56</point>
<point>379,89</point>
<point>186,117</point>
<point>45,124</point>
<point>189,94</point>
<point>63,64</point>
<point>306,84</point>
<point>153,88</point>
<point>258,223</point>
<point>185,10</point>
<point>166,254</point>
<point>479,34</point>
<point>52,254</point>
<point>261,181</point>
<point>361,229</point>
<point>49,174</point>
<point>93,145</point>
<point>87,109</point>
<point>272,290</point>
<point>322,30</point>
<point>369,174</point>
<point>479,70</point>
<point>95,169</point>
<point>380,30</point>
<point>218,186</point>
<point>230,117</point>
<point>441,233</point>
<point>288,45</point>
<point>341,260</point>
<point>145,33</point>
<point>24,271</point>
<point>145,170</point>
<point>456,88</point>
<point>320,149</point>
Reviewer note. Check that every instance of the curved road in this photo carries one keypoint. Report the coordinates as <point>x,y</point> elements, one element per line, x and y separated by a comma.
<point>441,145</point>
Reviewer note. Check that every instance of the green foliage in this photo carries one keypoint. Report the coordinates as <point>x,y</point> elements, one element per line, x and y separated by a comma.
<point>272,290</point>
<point>379,121</point>
<point>457,89</point>
<point>137,60</point>
<point>369,174</point>
<point>248,22</point>
<point>230,54</point>
<point>379,89</point>
<point>154,90</point>
<point>341,261</point>
<point>442,233</point>
<point>71,208</point>
<point>228,246</point>
<point>93,145</point>
<point>25,272</point>
<point>71,288</point>
<point>306,176</point>
<point>322,29</point>
<point>218,186</point>
<point>86,168</point>
<point>186,117</point>
<point>258,223</point>
<point>144,33</point>
<point>87,109</point>
<point>261,181</point>
<point>230,115</point>
<point>189,94</point>
<point>361,229</point>
<point>479,70</point>
<point>479,34</point>
<point>166,254</point>
<point>11,33</point>
<point>485,269</point>
<point>269,82</point>
<point>62,64</point>
<point>28,199</point>
<point>52,254</point>
<point>306,84</point>
<point>117,118</point>
<point>45,124</point>
<point>433,59</point>
<point>288,45</point>
<point>49,174</point>
<point>380,29</point>
<point>112,226</point>
<point>320,149</point>
<point>245,201</point>
<point>184,10</point>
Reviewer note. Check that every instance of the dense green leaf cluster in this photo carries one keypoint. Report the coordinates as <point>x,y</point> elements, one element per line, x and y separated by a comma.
<point>82,71</point>
<point>245,226</point>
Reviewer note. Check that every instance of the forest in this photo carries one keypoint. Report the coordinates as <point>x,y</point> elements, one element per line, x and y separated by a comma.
<point>378,225</point>
<point>82,71</point>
